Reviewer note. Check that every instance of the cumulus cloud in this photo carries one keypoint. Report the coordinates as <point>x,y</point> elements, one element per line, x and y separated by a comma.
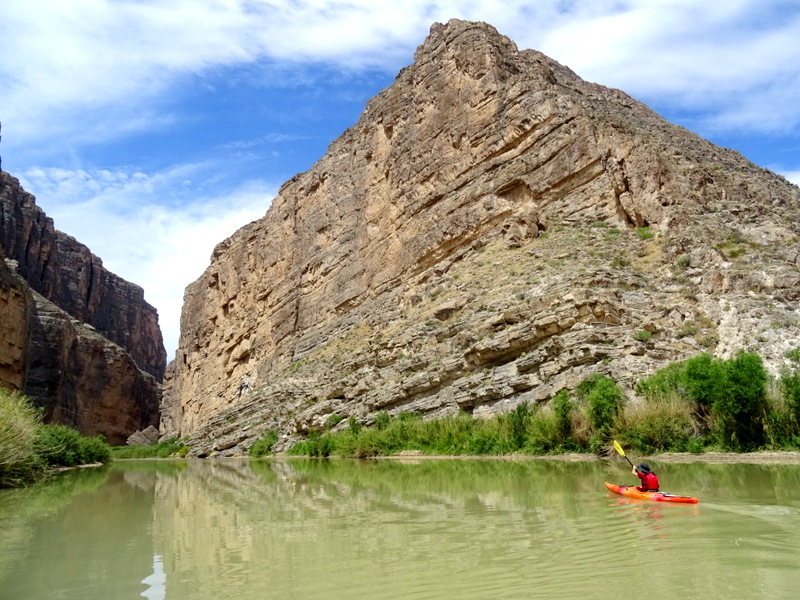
<point>143,229</point>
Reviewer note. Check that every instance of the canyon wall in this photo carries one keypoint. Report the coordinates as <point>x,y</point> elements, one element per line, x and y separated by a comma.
<point>491,230</point>
<point>80,341</point>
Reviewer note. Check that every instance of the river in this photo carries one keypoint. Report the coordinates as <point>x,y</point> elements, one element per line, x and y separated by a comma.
<point>430,529</point>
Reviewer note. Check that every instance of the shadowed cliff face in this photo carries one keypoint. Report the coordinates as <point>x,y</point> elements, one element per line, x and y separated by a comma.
<point>472,243</point>
<point>79,341</point>
<point>66,272</point>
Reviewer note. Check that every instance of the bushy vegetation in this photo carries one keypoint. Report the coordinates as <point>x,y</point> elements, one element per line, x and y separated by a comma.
<point>28,448</point>
<point>171,447</point>
<point>264,444</point>
<point>698,404</point>
<point>62,446</point>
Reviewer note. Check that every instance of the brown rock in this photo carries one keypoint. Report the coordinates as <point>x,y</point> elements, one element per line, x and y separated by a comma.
<point>73,370</point>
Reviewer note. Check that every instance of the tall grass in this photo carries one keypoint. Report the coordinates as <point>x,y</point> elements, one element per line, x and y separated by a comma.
<point>28,448</point>
<point>19,422</point>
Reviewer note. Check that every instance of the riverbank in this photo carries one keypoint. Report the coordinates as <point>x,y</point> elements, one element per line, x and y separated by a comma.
<point>764,457</point>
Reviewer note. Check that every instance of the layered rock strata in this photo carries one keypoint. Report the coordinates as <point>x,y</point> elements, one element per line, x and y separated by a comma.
<point>100,376</point>
<point>493,229</point>
<point>66,273</point>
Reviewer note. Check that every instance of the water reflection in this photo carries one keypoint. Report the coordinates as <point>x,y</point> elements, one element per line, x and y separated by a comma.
<point>347,529</point>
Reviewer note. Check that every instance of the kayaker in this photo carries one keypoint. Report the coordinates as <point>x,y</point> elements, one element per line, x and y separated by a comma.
<point>649,479</point>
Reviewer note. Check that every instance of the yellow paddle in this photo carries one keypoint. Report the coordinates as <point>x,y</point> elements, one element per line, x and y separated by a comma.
<point>619,449</point>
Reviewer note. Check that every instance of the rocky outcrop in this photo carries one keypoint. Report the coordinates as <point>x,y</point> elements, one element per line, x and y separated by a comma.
<point>67,274</point>
<point>72,369</point>
<point>493,229</point>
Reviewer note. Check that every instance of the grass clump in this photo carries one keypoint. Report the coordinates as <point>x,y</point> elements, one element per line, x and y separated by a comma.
<point>19,422</point>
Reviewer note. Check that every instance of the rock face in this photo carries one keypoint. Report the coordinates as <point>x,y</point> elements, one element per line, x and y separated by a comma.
<point>78,340</point>
<point>492,230</point>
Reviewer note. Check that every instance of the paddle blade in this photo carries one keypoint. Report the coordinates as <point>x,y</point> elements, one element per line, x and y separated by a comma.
<point>618,448</point>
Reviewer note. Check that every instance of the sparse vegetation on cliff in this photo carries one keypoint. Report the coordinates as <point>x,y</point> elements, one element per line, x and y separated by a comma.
<point>701,403</point>
<point>28,448</point>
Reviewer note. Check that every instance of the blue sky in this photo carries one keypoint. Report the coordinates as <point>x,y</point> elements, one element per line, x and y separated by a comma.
<point>151,130</point>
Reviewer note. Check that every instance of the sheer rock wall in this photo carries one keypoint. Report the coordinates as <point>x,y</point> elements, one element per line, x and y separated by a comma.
<point>78,340</point>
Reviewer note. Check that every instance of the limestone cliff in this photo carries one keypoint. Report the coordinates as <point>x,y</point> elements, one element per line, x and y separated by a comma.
<point>492,230</point>
<point>78,340</point>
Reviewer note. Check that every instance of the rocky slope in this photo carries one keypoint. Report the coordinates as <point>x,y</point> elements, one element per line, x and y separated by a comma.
<point>493,229</point>
<point>78,340</point>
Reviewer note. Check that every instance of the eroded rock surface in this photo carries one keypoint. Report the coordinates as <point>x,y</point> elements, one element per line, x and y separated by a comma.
<point>492,230</point>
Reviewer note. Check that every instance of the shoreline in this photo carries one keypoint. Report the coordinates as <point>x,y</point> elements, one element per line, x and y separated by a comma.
<point>758,458</point>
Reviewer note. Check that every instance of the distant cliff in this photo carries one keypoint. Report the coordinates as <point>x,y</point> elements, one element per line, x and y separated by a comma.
<point>79,340</point>
<point>492,230</point>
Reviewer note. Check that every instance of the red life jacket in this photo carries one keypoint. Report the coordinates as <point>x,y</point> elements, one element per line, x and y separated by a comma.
<point>649,482</point>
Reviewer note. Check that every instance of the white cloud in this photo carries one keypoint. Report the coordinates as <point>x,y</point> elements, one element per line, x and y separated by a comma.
<point>720,58</point>
<point>83,72</point>
<point>736,59</point>
<point>143,236</point>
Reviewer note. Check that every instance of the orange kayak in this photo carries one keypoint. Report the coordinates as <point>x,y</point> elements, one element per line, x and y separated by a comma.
<point>630,491</point>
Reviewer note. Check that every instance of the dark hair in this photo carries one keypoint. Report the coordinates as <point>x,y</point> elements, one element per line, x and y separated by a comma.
<point>644,468</point>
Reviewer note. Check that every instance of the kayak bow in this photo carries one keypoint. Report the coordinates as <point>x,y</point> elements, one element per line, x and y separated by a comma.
<point>630,491</point>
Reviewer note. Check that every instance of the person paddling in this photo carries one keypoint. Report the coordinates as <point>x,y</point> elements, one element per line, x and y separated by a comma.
<point>649,479</point>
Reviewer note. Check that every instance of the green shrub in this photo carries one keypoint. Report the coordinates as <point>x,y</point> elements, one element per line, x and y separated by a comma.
<point>705,379</point>
<point>62,446</point>
<point>515,425</point>
<point>19,422</point>
<point>738,413</point>
<point>604,399</point>
<point>790,384</point>
<point>332,421</point>
<point>644,233</point>
<point>642,336</point>
<point>562,411</point>
<point>354,426</point>
<point>316,445</point>
<point>382,420</point>
<point>170,447</point>
<point>263,445</point>
<point>664,382</point>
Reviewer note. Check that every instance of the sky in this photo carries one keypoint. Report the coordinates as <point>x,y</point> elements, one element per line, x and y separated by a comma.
<point>151,130</point>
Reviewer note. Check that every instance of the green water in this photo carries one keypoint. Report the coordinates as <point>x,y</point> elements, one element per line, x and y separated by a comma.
<point>302,529</point>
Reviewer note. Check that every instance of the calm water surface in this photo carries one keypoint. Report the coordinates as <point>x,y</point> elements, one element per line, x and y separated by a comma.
<point>302,529</point>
